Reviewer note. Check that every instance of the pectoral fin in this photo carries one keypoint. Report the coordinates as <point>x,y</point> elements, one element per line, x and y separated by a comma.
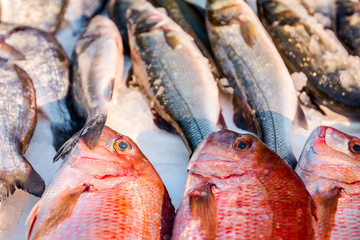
<point>203,206</point>
<point>60,210</point>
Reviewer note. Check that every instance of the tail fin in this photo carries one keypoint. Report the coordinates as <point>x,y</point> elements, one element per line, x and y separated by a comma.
<point>91,133</point>
<point>24,177</point>
<point>92,130</point>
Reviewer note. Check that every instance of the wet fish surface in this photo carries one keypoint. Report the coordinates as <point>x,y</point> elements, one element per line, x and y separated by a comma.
<point>237,188</point>
<point>17,125</point>
<point>117,12</point>
<point>78,12</point>
<point>173,74</point>
<point>110,192</point>
<point>332,75</point>
<point>98,66</point>
<point>190,20</point>
<point>347,24</point>
<point>43,58</point>
<point>264,96</point>
<point>329,167</point>
<point>45,15</point>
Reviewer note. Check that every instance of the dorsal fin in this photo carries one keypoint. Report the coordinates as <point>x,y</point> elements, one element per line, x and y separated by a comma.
<point>203,206</point>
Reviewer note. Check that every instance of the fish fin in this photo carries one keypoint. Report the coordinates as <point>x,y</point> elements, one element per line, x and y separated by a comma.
<point>244,116</point>
<point>67,146</point>
<point>162,123</point>
<point>31,219</point>
<point>61,208</point>
<point>8,52</point>
<point>221,121</point>
<point>248,30</point>
<point>307,101</point>
<point>300,118</point>
<point>326,203</point>
<point>93,130</point>
<point>203,206</point>
<point>26,179</point>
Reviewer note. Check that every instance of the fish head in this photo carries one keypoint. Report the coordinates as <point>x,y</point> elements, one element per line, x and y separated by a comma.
<point>277,12</point>
<point>332,154</point>
<point>144,18</point>
<point>115,155</point>
<point>225,12</point>
<point>226,153</point>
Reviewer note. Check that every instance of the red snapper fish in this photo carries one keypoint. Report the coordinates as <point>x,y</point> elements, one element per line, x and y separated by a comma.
<point>330,168</point>
<point>237,188</point>
<point>110,192</point>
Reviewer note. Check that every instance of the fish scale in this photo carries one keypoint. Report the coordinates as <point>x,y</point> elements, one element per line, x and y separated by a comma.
<point>258,75</point>
<point>173,74</point>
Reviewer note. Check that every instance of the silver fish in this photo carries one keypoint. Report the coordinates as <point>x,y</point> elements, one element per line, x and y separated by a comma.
<point>42,57</point>
<point>45,15</point>
<point>18,121</point>
<point>264,95</point>
<point>173,74</point>
<point>98,66</point>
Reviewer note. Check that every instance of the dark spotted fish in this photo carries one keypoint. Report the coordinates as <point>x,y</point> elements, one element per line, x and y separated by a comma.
<point>45,15</point>
<point>42,57</point>
<point>333,77</point>
<point>173,74</point>
<point>347,24</point>
<point>18,121</point>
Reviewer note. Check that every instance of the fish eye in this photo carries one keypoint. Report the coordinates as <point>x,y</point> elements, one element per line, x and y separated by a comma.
<point>354,147</point>
<point>122,146</point>
<point>241,144</point>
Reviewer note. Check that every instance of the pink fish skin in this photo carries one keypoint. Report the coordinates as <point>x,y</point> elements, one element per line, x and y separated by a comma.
<point>330,168</point>
<point>110,192</point>
<point>237,188</point>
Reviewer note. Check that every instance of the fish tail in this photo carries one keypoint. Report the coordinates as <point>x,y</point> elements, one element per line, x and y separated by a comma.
<point>290,159</point>
<point>92,130</point>
<point>24,177</point>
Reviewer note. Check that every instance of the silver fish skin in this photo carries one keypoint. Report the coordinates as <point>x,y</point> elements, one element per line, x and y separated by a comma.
<point>78,13</point>
<point>333,79</point>
<point>17,125</point>
<point>45,15</point>
<point>98,66</point>
<point>45,61</point>
<point>117,12</point>
<point>265,99</point>
<point>173,74</point>
<point>347,24</point>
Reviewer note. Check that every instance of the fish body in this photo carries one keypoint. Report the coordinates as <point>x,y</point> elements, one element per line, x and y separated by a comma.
<point>332,75</point>
<point>264,96</point>
<point>329,168</point>
<point>193,23</point>
<point>117,12</point>
<point>78,12</point>
<point>173,74</point>
<point>98,66</point>
<point>43,58</point>
<point>18,121</point>
<point>237,188</point>
<point>347,24</point>
<point>45,15</point>
<point>110,192</point>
